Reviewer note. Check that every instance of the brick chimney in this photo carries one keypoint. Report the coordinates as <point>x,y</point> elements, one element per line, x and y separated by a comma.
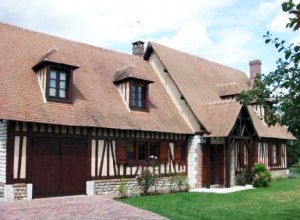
<point>255,68</point>
<point>138,48</point>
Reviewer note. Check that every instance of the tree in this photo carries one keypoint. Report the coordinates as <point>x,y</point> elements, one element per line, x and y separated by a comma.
<point>282,86</point>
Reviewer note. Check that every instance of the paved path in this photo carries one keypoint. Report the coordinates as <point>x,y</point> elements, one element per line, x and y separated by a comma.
<point>73,207</point>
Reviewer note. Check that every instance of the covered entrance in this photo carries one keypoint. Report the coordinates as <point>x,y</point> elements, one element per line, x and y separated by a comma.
<point>58,166</point>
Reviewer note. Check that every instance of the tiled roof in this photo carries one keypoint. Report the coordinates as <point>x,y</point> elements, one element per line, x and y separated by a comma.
<point>96,99</point>
<point>222,116</point>
<point>228,89</point>
<point>203,83</point>
<point>55,56</point>
<point>130,72</point>
<point>264,130</point>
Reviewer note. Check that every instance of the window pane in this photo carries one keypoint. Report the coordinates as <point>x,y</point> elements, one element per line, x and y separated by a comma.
<point>52,92</point>
<point>52,83</point>
<point>153,151</point>
<point>62,93</point>
<point>133,102</point>
<point>140,103</point>
<point>130,151</point>
<point>62,85</point>
<point>52,74</point>
<point>142,152</point>
<point>140,89</point>
<point>274,154</point>
<point>63,76</point>
<point>133,89</point>
<point>140,96</point>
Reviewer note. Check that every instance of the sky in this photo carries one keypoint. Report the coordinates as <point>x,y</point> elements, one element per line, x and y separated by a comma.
<point>229,32</point>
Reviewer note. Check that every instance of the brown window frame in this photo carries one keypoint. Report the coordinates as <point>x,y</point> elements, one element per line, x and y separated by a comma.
<point>135,155</point>
<point>59,69</point>
<point>134,95</point>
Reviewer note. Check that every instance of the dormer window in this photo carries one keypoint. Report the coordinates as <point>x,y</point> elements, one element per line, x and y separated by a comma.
<point>59,84</point>
<point>55,76</point>
<point>138,99</point>
<point>134,88</point>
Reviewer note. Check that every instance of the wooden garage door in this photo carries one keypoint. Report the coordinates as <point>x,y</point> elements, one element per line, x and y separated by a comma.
<point>58,166</point>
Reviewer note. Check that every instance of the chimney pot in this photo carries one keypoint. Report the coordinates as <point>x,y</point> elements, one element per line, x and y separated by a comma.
<point>138,48</point>
<point>255,68</point>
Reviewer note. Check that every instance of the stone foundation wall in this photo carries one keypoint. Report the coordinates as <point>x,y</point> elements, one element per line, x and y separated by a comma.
<point>279,173</point>
<point>165,185</point>
<point>1,192</point>
<point>240,179</point>
<point>20,192</point>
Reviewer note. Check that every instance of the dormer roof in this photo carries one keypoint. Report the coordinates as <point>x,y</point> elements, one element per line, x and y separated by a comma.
<point>130,72</point>
<point>54,55</point>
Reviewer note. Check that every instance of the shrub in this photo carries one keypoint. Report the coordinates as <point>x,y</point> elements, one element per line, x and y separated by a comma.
<point>180,180</point>
<point>122,189</point>
<point>146,180</point>
<point>261,176</point>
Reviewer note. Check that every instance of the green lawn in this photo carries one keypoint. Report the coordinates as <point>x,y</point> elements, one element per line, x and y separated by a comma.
<point>279,201</point>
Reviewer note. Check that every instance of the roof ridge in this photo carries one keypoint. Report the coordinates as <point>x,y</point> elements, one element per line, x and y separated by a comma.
<point>221,102</point>
<point>66,39</point>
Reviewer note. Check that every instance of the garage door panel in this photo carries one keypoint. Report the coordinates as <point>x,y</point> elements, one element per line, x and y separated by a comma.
<point>58,166</point>
<point>45,166</point>
<point>73,165</point>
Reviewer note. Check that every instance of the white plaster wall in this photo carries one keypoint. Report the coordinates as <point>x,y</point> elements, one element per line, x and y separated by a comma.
<point>193,145</point>
<point>232,166</point>
<point>174,93</point>
<point>3,142</point>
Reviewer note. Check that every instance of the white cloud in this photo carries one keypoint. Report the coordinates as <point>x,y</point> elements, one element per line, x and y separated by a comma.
<point>278,24</point>
<point>266,9</point>
<point>192,38</point>
<point>222,31</point>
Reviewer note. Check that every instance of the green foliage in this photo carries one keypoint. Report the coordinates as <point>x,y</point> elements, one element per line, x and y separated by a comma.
<point>280,201</point>
<point>146,180</point>
<point>122,189</point>
<point>261,176</point>
<point>180,180</point>
<point>279,91</point>
<point>293,149</point>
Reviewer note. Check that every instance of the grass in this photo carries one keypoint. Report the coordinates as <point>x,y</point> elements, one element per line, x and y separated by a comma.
<point>281,200</point>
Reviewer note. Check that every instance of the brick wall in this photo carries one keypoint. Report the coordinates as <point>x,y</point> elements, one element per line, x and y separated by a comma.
<point>3,137</point>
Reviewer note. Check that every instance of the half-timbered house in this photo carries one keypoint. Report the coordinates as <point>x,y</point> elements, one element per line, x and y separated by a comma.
<point>75,118</point>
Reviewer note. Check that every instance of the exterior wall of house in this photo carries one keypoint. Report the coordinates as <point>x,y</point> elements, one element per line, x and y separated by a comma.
<point>264,155</point>
<point>124,89</point>
<point>42,79</point>
<point>102,155</point>
<point>3,144</point>
<point>174,92</point>
<point>195,160</point>
<point>260,111</point>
